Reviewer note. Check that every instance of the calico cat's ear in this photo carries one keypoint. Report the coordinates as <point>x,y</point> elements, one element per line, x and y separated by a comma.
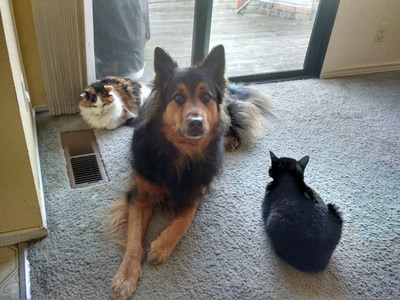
<point>85,95</point>
<point>108,88</point>
<point>215,61</point>
<point>274,158</point>
<point>164,65</point>
<point>304,161</point>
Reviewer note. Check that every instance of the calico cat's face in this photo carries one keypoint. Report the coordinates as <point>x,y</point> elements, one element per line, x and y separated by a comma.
<point>288,165</point>
<point>97,96</point>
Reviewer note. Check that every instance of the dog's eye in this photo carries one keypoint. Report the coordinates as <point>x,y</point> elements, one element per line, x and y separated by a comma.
<point>94,98</point>
<point>205,97</point>
<point>179,99</point>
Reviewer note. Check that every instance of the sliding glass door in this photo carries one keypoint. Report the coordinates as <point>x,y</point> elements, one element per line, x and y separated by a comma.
<point>263,39</point>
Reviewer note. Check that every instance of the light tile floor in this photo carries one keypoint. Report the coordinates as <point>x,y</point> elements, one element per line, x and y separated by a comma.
<point>9,275</point>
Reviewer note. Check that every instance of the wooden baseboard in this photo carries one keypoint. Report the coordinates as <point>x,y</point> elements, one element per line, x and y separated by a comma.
<point>360,70</point>
<point>15,237</point>
<point>41,108</point>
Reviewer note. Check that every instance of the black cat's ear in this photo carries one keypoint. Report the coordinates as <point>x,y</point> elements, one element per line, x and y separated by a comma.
<point>164,65</point>
<point>274,158</point>
<point>304,161</point>
<point>215,61</point>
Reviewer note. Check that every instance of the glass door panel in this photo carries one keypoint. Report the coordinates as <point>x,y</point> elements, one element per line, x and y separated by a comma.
<point>266,36</point>
<point>171,24</point>
<point>127,31</point>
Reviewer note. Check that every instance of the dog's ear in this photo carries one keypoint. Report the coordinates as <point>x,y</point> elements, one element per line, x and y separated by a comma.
<point>304,161</point>
<point>274,158</point>
<point>215,61</point>
<point>163,65</point>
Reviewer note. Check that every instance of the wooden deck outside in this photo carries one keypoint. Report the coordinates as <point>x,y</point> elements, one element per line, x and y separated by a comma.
<point>254,43</point>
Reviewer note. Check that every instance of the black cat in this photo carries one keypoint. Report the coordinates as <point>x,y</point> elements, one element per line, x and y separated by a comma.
<point>304,230</point>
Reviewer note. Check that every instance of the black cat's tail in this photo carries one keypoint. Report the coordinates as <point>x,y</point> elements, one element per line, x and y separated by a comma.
<point>335,227</point>
<point>334,211</point>
<point>246,108</point>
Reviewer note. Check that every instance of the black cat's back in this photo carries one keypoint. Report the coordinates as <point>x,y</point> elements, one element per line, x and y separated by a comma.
<point>304,230</point>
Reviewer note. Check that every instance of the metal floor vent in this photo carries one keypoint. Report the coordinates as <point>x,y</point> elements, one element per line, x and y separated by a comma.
<point>84,163</point>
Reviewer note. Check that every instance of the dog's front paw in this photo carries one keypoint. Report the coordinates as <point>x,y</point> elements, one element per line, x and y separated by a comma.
<point>125,282</point>
<point>159,252</point>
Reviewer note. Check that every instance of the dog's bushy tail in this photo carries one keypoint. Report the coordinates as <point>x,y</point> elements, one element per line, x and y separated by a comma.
<point>247,109</point>
<point>117,223</point>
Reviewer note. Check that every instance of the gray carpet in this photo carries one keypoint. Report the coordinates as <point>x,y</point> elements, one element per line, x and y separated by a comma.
<point>350,127</point>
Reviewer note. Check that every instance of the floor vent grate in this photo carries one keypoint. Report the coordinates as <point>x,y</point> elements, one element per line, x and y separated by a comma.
<point>84,163</point>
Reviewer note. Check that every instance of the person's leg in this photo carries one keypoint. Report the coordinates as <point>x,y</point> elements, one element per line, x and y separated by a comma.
<point>121,29</point>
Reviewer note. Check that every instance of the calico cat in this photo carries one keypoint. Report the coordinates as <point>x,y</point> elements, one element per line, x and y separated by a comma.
<point>304,230</point>
<point>109,103</point>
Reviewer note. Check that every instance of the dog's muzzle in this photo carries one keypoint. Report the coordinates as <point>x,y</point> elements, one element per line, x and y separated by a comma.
<point>195,127</point>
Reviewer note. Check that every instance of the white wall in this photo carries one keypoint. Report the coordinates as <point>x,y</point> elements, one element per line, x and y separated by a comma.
<point>352,49</point>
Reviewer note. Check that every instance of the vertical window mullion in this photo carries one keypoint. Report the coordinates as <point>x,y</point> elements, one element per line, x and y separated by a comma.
<point>201,30</point>
<point>320,36</point>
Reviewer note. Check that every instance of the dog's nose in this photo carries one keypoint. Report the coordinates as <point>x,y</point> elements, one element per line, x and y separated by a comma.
<point>195,123</point>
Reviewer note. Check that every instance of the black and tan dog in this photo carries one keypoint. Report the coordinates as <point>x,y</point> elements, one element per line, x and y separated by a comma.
<point>178,146</point>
